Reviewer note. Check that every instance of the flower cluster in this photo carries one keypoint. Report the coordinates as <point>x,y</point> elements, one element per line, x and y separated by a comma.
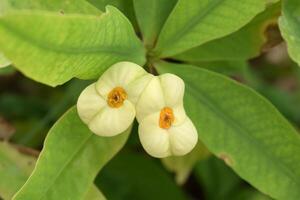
<point>126,91</point>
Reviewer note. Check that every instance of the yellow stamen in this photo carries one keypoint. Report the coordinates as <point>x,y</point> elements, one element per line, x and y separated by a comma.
<point>166,118</point>
<point>116,97</point>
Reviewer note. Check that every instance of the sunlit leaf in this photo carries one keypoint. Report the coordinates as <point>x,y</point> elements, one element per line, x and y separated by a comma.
<point>58,47</point>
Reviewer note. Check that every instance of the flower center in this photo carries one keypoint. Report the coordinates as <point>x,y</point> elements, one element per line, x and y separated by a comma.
<point>166,118</point>
<point>116,97</point>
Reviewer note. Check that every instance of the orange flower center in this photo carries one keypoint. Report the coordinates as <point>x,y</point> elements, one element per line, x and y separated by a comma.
<point>166,118</point>
<point>116,97</point>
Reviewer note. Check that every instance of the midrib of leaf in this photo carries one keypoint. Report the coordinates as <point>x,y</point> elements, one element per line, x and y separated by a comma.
<point>64,166</point>
<point>193,22</point>
<point>57,49</point>
<point>218,112</point>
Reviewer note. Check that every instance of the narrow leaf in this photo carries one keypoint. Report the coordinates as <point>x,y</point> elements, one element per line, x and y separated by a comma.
<point>70,160</point>
<point>151,16</point>
<point>195,22</point>
<point>58,47</point>
<point>244,129</point>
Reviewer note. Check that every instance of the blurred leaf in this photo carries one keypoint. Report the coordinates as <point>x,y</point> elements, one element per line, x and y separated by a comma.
<point>9,70</point>
<point>59,47</point>
<point>151,16</point>
<point>204,21</point>
<point>70,160</point>
<point>241,45</point>
<point>289,25</point>
<point>182,166</point>
<point>15,168</point>
<point>35,135</point>
<point>4,62</point>
<point>218,180</point>
<point>243,129</point>
<point>136,176</point>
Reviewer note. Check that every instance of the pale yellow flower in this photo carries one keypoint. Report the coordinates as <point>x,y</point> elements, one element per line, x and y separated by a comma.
<point>108,106</point>
<point>164,128</point>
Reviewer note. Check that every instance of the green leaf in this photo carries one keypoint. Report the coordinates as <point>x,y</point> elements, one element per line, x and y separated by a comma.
<point>182,166</point>
<point>151,16</point>
<point>15,168</point>
<point>59,6</point>
<point>195,22</point>
<point>246,43</point>
<point>242,128</point>
<point>58,47</point>
<point>70,160</point>
<point>4,62</point>
<point>132,175</point>
<point>289,25</point>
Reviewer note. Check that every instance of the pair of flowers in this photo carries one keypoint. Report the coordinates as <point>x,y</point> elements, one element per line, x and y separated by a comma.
<point>126,91</point>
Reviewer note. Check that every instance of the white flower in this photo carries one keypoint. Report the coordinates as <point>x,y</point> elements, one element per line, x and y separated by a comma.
<point>108,106</point>
<point>164,128</point>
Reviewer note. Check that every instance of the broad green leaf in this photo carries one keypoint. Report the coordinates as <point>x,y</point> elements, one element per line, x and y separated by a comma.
<point>70,160</point>
<point>151,16</point>
<point>15,168</point>
<point>182,166</point>
<point>59,6</point>
<point>195,22</point>
<point>58,47</point>
<point>4,62</point>
<point>242,128</point>
<point>246,43</point>
<point>132,175</point>
<point>289,25</point>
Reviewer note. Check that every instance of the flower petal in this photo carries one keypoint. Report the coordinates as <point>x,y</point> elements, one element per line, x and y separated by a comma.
<point>113,121</point>
<point>118,75</point>
<point>135,88</point>
<point>179,114</point>
<point>183,138</point>
<point>151,100</point>
<point>89,103</point>
<point>154,139</point>
<point>173,89</point>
